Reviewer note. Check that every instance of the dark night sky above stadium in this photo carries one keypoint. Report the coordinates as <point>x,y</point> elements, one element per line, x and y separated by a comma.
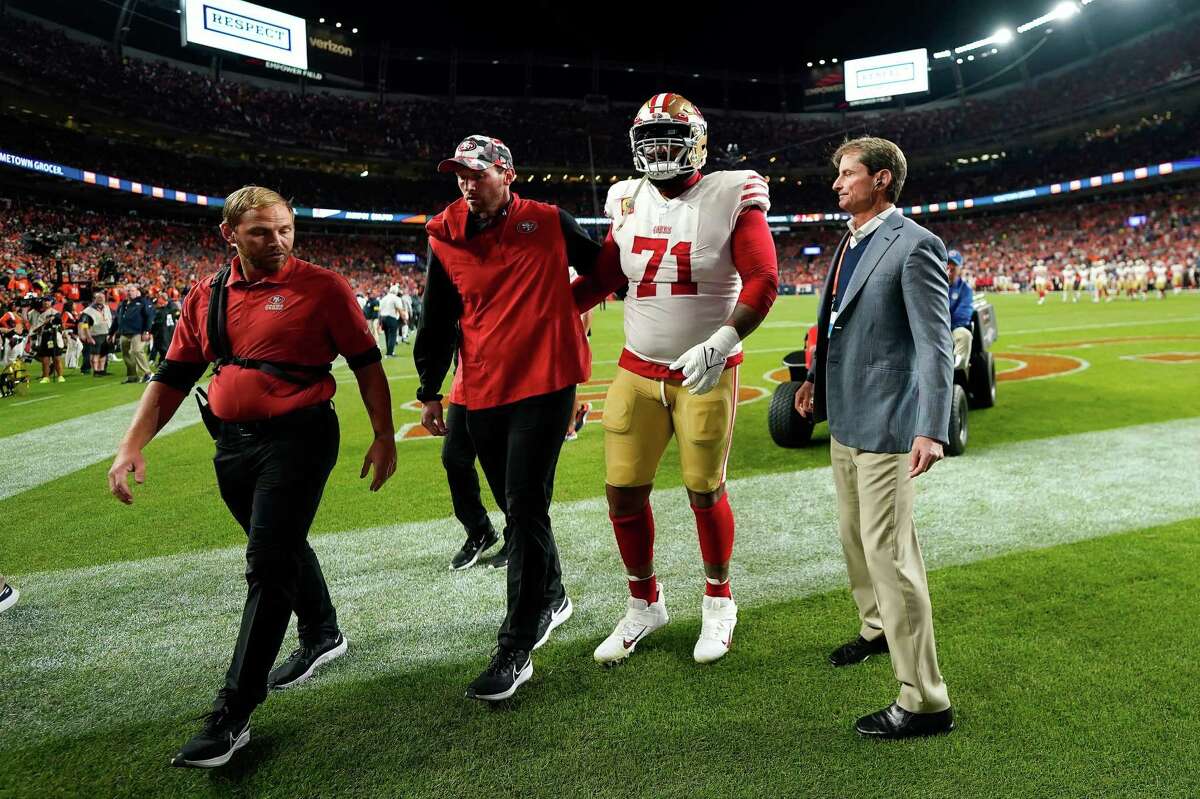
<point>753,36</point>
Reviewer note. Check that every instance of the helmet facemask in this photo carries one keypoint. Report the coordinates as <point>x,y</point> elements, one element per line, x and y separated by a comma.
<point>666,150</point>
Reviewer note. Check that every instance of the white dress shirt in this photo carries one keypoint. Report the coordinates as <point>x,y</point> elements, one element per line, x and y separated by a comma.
<point>868,227</point>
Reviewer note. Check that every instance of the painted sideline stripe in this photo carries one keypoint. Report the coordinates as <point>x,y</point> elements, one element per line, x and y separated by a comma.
<point>121,643</point>
<point>47,453</point>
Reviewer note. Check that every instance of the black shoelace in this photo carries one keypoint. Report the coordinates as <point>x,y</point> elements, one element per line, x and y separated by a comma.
<point>504,660</point>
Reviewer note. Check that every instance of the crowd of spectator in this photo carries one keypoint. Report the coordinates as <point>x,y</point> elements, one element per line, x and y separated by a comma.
<point>1064,234</point>
<point>550,134</point>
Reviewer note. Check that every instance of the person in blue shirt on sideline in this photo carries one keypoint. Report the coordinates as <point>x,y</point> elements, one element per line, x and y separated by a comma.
<point>962,300</point>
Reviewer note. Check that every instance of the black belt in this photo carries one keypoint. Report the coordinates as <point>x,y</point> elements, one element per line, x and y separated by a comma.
<point>295,420</point>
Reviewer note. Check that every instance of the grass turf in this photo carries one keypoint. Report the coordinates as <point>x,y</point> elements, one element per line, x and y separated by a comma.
<point>1067,667</point>
<point>71,521</point>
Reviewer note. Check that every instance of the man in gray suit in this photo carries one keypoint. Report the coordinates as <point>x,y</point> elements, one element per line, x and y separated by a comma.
<point>882,376</point>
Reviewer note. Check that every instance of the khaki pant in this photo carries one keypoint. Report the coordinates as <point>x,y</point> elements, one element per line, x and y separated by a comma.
<point>133,352</point>
<point>962,345</point>
<point>887,572</point>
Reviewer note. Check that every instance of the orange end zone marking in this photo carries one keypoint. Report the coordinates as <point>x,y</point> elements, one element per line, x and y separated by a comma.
<point>1034,366</point>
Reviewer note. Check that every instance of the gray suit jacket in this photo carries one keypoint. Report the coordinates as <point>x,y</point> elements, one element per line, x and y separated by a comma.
<point>886,373</point>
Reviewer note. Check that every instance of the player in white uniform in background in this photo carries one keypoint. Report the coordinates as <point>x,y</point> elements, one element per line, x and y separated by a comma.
<point>1141,277</point>
<point>1176,278</point>
<point>1160,280</point>
<point>1099,275</point>
<point>1068,284</point>
<point>697,256</point>
<point>1041,276</point>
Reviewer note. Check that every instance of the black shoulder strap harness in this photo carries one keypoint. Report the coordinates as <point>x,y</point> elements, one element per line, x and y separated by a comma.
<point>219,339</point>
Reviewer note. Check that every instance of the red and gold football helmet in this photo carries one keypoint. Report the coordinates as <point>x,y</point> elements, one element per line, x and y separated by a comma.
<point>669,137</point>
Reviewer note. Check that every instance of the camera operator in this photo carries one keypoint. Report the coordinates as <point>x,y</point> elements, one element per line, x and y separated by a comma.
<point>45,326</point>
<point>95,324</point>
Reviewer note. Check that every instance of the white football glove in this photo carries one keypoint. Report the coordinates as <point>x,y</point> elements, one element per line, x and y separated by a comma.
<point>703,364</point>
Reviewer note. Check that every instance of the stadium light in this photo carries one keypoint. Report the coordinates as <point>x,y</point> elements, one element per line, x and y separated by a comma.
<point>938,54</point>
<point>1064,10</point>
<point>354,30</point>
<point>834,60</point>
<point>364,173</point>
<point>810,63</point>
<point>1002,36</point>
<point>822,61</point>
<point>321,20</point>
<point>337,24</point>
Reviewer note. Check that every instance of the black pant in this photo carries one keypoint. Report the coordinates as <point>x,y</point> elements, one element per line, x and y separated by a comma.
<point>271,480</point>
<point>391,327</point>
<point>518,447</point>
<point>458,458</point>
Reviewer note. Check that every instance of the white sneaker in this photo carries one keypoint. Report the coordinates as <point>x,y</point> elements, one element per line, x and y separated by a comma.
<point>641,619</point>
<point>716,631</point>
<point>8,597</point>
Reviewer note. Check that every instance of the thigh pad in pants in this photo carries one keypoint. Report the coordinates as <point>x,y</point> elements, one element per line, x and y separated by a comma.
<point>637,426</point>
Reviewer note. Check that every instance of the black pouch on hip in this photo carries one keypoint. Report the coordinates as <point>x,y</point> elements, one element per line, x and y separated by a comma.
<point>211,422</point>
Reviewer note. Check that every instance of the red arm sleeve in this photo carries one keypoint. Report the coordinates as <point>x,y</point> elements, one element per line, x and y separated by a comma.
<point>754,259</point>
<point>606,277</point>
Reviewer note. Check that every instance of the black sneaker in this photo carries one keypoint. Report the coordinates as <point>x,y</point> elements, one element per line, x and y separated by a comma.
<point>301,664</point>
<point>507,671</point>
<point>223,734</point>
<point>472,548</point>
<point>497,561</point>
<point>552,616</point>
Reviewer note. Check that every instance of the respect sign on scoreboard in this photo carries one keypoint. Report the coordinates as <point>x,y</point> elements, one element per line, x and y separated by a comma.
<point>245,29</point>
<point>887,75</point>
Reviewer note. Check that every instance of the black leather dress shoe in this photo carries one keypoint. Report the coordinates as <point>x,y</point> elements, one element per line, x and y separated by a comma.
<point>857,651</point>
<point>895,722</point>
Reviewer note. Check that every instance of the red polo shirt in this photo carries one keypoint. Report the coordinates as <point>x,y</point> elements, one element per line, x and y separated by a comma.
<point>301,314</point>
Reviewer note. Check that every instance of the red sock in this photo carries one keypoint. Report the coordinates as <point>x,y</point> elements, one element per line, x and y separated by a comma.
<point>635,539</point>
<point>715,529</point>
<point>713,588</point>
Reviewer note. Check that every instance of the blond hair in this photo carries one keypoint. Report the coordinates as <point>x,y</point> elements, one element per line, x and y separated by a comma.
<point>876,154</point>
<point>249,198</point>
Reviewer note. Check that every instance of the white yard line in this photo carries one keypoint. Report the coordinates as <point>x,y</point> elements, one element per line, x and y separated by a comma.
<point>123,643</point>
<point>38,399</point>
<point>47,453</point>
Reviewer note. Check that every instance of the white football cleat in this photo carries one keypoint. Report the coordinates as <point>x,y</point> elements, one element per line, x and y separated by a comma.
<point>716,631</point>
<point>641,619</point>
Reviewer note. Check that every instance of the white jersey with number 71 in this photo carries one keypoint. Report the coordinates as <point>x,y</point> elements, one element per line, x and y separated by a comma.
<point>677,255</point>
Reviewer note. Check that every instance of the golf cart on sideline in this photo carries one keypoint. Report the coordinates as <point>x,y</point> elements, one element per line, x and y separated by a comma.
<point>974,385</point>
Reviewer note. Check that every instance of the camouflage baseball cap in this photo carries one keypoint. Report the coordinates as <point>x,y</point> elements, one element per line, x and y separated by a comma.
<point>478,152</point>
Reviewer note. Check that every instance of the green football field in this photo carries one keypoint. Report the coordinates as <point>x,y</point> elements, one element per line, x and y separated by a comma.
<point>1063,550</point>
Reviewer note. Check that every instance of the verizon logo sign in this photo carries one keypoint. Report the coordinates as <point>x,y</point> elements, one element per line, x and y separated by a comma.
<point>330,46</point>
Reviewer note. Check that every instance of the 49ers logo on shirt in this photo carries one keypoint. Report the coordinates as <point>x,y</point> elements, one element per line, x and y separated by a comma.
<point>528,226</point>
<point>275,303</point>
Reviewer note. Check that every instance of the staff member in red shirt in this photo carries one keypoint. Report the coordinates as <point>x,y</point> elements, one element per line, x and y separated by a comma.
<point>278,323</point>
<point>498,269</point>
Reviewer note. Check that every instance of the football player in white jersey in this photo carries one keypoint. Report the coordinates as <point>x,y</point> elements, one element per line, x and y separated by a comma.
<point>697,256</point>
<point>1160,280</point>
<point>1141,277</point>
<point>1100,282</point>
<point>1068,283</point>
<point>1041,276</point>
